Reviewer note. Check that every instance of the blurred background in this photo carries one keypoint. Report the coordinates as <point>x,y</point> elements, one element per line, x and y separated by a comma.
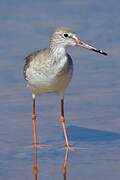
<point>92,100</point>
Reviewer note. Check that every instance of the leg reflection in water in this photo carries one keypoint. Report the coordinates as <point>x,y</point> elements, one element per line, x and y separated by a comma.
<point>35,166</point>
<point>64,166</point>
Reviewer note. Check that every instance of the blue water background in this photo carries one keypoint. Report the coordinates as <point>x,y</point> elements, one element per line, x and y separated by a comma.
<point>92,101</point>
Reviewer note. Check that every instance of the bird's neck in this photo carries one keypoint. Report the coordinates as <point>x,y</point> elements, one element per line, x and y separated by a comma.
<point>58,52</point>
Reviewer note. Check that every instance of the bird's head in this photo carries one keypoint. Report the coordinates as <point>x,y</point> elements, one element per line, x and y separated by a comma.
<point>65,37</point>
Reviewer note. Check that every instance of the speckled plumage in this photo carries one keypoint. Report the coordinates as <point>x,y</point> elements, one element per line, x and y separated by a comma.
<point>49,70</point>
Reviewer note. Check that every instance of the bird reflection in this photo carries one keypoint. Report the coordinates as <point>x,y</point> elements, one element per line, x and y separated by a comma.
<point>64,166</point>
<point>35,166</point>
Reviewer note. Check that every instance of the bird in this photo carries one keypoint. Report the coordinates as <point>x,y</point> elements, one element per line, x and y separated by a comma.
<point>50,70</point>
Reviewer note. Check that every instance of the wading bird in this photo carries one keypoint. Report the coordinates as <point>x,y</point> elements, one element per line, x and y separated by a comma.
<point>50,70</point>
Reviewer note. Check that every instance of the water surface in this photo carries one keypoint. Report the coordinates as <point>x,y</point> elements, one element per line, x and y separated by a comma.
<point>92,100</point>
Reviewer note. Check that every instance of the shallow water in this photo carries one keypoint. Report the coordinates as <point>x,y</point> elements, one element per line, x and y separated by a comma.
<point>92,100</point>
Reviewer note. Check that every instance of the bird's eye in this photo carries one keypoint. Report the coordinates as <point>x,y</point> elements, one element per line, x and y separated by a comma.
<point>65,35</point>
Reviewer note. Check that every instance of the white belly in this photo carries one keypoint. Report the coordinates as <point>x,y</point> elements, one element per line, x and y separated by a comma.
<point>51,79</point>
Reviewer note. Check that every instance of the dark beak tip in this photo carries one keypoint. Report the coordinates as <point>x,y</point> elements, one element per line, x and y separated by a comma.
<point>100,52</point>
<point>104,53</point>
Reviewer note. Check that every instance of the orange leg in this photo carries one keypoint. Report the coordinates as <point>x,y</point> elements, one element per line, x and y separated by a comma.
<point>62,119</point>
<point>35,169</point>
<point>34,123</point>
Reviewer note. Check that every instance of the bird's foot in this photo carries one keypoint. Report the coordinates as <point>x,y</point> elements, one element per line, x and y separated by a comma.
<point>69,147</point>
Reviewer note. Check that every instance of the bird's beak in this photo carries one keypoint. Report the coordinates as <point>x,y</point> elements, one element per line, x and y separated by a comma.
<point>84,45</point>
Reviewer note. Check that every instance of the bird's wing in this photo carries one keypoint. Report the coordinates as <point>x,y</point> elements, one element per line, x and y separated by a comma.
<point>37,55</point>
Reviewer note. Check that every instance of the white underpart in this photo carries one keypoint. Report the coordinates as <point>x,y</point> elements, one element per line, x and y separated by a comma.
<point>45,78</point>
<point>33,95</point>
